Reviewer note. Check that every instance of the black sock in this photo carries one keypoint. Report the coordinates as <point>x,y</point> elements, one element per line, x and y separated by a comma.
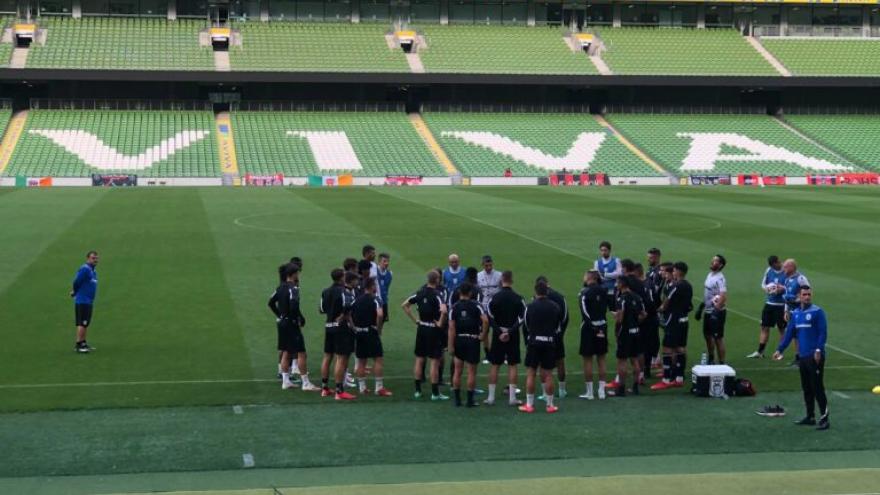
<point>679,365</point>
<point>711,359</point>
<point>435,389</point>
<point>325,382</point>
<point>667,367</point>
<point>621,390</point>
<point>457,394</point>
<point>440,374</point>
<point>470,397</point>
<point>418,386</point>
<point>636,386</point>
<point>339,387</point>
<point>761,348</point>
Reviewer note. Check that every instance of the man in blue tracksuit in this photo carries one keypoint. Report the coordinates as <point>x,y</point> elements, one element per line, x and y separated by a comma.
<point>809,323</point>
<point>85,288</point>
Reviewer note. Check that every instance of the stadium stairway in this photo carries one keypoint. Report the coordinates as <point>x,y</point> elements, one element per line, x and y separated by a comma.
<point>429,139</point>
<point>226,146</point>
<point>633,148</point>
<point>10,138</point>
<point>756,44</point>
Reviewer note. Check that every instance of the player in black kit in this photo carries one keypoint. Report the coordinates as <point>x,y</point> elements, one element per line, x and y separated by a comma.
<point>468,328</point>
<point>367,318</point>
<point>593,301</point>
<point>432,313</point>
<point>630,313</point>
<point>559,299</point>
<point>541,319</point>
<point>506,312</point>
<point>675,310</point>
<point>284,304</point>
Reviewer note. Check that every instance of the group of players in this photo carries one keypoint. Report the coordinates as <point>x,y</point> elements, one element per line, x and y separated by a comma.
<point>465,313</point>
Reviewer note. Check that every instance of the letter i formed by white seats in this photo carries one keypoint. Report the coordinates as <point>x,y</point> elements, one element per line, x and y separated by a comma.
<point>331,149</point>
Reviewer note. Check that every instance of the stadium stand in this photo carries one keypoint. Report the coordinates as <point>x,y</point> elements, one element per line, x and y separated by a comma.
<point>827,57</point>
<point>727,144</point>
<point>5,48</point>
<point>299,144</point>
<point>5,115</point>
<point>501,49</point>
<point>531,144</point>
<point>331,47</point>
<point>77,143</point>
<point>637,50</point>
<point>120,43</point>
<point>856,137</point>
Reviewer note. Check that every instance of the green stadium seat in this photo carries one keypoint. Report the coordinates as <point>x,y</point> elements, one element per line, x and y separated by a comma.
<point>332,47</point>
<point>681,51</point>
<point>78,143</point>
<point>501,50</point>
<point>384,143</point>
<point>550,136</point>
<point>121,43</point>
<point>827,57</point>
<point>856,137</point>
<point>669,139</point>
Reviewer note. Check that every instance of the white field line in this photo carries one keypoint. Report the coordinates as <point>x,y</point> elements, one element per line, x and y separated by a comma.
<point>237,410</point>
<point>15,386</point>
<point>570,253</point>
<point>841,395</point>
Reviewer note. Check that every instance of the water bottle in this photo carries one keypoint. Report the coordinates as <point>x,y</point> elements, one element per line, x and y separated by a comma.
<point>704,359</point>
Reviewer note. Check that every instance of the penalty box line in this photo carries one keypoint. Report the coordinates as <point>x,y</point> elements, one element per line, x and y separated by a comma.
<point>579,256</point>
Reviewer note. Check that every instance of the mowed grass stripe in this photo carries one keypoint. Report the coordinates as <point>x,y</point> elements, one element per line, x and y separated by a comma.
<point>32,220</point>
<point>411,433</point>
<point>163,309</point>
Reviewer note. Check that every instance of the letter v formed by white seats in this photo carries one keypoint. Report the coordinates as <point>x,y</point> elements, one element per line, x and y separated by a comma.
<point>705,152</point>
<point>578,157</point>
<point>95,153</point>
<point>331,149</point>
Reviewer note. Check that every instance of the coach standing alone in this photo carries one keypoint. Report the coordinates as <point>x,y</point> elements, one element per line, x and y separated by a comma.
<point>85,288</point>
<point>809,323</point>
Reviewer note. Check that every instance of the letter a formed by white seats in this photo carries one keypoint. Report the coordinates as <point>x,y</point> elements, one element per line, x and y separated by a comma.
<point>95,153</point>
<point>705,152</point>
<point>579,156</point>
<point>332,149</point>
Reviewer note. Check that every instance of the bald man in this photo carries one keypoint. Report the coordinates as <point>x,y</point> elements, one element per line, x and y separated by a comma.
<point>453,275</point>
<point>794,280</point>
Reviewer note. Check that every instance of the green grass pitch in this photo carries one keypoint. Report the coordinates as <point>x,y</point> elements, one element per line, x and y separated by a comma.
<point>183,334</point>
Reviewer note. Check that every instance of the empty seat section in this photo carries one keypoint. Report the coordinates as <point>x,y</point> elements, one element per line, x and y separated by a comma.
<point>532,144</point>
<point>78,143</point>
<point>121,43</point>
<point>289,46</point>
<point>856,137</point>
<point>501,50</point>
<point>725,144</point>
<point>675,51</point>
<point>827,57</point>
<point>298,144</point>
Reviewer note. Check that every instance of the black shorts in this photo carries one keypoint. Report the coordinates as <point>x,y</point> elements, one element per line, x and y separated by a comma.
<point>504,351</point>
<point>369,345</point>
<point>82,314</point>
<point>329,336</point>
<point>290,337</point>
<point>628,343</point>
<point>675,334</point>
<point>773,316</point>
<point>713,324</point>
<point>649,331</point>
<point>541,356</point>
<point>594,340</point>
<point>467,349</point>
<point>428,342</point>
<point>343,341</point>
<point>560,345</point>
<point>443,337</point>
